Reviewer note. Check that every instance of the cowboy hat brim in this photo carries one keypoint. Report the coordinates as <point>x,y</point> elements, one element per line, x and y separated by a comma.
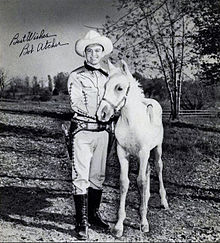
<point>100,40</point>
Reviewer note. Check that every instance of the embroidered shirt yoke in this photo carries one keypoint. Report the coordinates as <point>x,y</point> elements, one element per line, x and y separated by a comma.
<point>86,89</point>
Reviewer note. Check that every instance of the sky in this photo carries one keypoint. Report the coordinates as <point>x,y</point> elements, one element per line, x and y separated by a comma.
<point>64,20</point>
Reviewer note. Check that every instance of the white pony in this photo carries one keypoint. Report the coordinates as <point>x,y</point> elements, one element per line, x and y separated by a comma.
<point>138,130</point>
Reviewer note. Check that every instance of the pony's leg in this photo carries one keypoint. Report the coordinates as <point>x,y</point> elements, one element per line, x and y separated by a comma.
<point>159,168</point>
<point>143,181</point>
<point>124,184</point>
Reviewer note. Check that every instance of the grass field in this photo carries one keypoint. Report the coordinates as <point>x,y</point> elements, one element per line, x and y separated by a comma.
<point>35,180</point>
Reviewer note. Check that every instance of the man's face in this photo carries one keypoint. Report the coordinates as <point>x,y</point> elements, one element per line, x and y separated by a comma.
<point>93,54</point>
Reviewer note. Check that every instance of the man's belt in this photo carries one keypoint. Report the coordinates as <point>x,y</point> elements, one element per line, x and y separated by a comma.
<point>78,125</point>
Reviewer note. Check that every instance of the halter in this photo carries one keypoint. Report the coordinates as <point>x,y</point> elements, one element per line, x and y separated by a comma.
<point>115,107</point>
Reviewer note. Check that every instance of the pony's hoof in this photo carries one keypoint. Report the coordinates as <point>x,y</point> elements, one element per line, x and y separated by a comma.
<point>145,228</point>
<point>165,205</point>
<point>117,232</point>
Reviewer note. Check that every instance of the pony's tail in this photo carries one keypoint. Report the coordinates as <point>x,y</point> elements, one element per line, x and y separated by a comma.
<point>151,113</point>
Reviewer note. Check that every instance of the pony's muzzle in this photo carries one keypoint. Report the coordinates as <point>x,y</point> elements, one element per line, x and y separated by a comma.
<point>104,114</point>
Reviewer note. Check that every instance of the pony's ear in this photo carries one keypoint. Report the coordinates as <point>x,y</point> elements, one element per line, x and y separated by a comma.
<point>125,69</point>
<point>110,65</point>
<point>112,68</point>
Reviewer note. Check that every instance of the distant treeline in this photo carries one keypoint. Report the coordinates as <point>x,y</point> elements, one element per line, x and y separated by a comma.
<point>34,89</point>
<point>195,95</point>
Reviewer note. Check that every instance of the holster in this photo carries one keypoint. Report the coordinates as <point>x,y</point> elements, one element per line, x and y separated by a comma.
<point>68,132</point>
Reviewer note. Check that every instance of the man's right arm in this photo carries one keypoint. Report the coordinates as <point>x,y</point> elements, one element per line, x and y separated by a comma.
<point>76,95</point>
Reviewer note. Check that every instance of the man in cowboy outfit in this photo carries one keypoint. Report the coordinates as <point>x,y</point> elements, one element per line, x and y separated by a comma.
<point>89,138</point>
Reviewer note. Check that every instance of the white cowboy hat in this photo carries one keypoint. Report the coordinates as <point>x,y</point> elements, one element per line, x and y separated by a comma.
<point>93,37</point>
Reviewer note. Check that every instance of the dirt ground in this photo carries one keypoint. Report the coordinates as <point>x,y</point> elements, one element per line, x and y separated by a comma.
<point>36,203</point>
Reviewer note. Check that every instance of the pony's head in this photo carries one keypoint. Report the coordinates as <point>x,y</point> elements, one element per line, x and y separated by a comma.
<point>116,91</point>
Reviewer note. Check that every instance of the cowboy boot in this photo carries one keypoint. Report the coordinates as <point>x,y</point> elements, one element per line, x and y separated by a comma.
<point>94,200</point>
<point>81,206</point>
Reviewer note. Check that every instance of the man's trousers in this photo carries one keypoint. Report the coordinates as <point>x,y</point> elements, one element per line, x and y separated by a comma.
<point>89,153</point>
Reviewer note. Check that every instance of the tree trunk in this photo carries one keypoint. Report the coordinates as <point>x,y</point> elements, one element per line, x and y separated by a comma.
<point>174,96</point>
<point>175,106</point>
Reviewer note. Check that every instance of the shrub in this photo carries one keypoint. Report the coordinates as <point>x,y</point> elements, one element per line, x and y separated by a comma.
<point>45,95</point>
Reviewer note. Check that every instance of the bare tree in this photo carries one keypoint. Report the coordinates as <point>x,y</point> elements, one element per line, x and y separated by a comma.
<point>154,37</point>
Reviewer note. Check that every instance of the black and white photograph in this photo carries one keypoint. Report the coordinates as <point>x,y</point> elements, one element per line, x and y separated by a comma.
<point>109,121</point>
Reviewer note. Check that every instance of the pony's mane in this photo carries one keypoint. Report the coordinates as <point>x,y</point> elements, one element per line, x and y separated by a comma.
<point>136,88</point>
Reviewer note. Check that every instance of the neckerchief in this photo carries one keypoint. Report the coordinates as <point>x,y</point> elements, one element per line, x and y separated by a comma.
<point>90,68</point>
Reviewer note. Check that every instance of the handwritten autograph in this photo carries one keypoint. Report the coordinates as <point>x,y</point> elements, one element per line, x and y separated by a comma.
<point>30,47</point>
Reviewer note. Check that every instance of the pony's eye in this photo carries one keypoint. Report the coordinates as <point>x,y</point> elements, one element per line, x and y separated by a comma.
<point>118,88</point>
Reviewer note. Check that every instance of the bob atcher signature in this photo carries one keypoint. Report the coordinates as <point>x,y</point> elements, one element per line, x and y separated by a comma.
<point>32,42</point>
<point>30,48</point>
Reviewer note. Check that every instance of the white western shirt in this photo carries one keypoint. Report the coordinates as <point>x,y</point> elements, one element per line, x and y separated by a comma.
<point>86,89</point>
